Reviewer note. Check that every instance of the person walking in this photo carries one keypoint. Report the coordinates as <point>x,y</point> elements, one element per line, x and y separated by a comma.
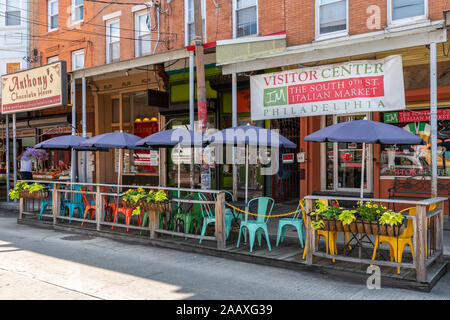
<point>25,167</point>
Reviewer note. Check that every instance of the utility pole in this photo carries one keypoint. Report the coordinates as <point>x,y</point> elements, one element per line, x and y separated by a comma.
<point>201,89</point>
<point>199,59</point>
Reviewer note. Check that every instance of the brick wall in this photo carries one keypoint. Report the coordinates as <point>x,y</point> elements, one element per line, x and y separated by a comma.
<point>295,17</point>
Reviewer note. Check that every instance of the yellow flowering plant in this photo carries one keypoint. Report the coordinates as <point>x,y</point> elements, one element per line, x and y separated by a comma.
<point>370,210</point>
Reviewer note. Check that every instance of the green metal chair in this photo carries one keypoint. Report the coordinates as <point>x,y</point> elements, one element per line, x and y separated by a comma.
<point>255,227</point>
<point>296,221</point>
<point>209,217</point>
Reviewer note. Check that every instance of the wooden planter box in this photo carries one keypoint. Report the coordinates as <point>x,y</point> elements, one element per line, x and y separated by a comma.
<point>160,206</point>
<point>362,226</point>
<point>38,195</point>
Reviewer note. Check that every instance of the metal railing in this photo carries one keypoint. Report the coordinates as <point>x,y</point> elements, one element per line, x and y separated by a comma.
<point>427,235</point>
<point>56,194</point>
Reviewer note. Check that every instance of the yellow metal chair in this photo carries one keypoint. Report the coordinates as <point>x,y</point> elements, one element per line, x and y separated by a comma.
<point>397,244</point>
<point>330,236</point>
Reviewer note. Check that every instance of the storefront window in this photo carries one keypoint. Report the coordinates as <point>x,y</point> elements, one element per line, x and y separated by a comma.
<point>400,160</point>
<point>343,162</point>
<point>141,120</point>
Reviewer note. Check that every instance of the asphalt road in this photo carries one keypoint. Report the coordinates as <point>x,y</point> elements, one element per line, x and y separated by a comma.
<point>38,263</point>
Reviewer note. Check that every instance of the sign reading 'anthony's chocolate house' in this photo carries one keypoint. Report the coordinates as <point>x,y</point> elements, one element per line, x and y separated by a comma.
<point>354,86</point>
<point>35,89</point>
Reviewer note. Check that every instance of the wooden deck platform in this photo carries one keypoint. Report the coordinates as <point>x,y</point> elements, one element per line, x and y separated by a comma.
<point>286,255</point>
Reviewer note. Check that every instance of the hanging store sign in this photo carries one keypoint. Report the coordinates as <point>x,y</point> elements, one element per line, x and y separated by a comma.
<point>350,87</point>
<point>35,89</point>
<point>415,116</point>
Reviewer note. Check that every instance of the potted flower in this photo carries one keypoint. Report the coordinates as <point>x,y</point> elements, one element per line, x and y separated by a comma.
<point>29,191</point>
<point>157,201</point>
<point>373,219</point>
<point>368,218</point>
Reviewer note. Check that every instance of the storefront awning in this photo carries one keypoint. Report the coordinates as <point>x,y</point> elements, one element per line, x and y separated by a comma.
<point>131,63</point>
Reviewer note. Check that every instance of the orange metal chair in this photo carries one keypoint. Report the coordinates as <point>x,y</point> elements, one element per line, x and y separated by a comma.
<point>127,212</point>
<point>110,206</point>
<point>88,207</point>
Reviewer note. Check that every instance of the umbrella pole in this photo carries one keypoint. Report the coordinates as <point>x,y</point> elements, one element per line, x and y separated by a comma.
<point>179,171</point>
<point>246,174</point>
<point>118,177</point>
<point>363,171</point>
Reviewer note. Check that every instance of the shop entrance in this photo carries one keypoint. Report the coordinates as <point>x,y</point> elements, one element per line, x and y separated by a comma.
<point>343,171</point>
<point>286,183</point>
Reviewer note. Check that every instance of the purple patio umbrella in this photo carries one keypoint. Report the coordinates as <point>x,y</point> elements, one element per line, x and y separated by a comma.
<point>171,138</point>
<point>248,135</point>
<point>66,142</point>
<point>364,131</point>
<point>114,140</point>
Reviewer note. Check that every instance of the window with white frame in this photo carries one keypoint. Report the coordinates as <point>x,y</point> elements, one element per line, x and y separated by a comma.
<point>77,11</point>
<point>246,18</point>
<point>190,21</point>
<point>12,13</point>
<point>402,11</point>
<point>78,59</point>
<point>331,17</point>
<point>55,59</point>
<point>143,44</point>
<point>52,15</point>
<point>112,41</point>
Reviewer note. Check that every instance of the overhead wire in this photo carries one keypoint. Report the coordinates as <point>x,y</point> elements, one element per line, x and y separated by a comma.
<point>83,22</point>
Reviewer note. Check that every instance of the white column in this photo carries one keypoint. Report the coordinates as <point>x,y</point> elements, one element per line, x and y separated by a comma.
<point>234,124</point>
<point>191,112</point>
<point>433,117</point>
<point>14,151</point>
<point>83,102</point>
<point>73,160</point>
<point>7,156</point>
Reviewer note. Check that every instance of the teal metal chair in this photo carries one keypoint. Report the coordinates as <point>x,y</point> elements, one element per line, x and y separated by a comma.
<point>254,227</point>
<point>296,221</point>
<point>75,203</point>
<point>209,217</point>
<point>47,202</point>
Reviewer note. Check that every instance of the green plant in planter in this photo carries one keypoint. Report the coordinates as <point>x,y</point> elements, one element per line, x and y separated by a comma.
<point>391,218</point>
<point>160,196</point>
<point>370,210</point>
<point>151,196</point>
<point>329,212</point>
<point>133,195</point>
<point>347,217</point>
<point>136,211</point>
<point>319,224</point>
<point>14,194</point>
<point>35,187</point>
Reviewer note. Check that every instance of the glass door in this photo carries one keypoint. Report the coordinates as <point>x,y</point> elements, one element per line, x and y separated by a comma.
<point>343,162</point>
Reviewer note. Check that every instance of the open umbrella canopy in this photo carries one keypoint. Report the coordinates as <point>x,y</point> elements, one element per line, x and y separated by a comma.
<point>365,131</point>
<point>250,135</point>
<point>172,137</point>
<point>114,140</point>
<point>66,142</point>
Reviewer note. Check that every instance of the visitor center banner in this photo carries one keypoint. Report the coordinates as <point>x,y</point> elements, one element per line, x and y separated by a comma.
<point>350,87</point>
